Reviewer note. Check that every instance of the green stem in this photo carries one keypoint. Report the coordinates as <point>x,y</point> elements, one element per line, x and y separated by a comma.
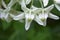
<point>41,3</point>
<point>32,3</point>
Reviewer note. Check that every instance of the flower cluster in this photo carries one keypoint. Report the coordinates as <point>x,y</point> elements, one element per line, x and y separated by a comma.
<point>39,15</point>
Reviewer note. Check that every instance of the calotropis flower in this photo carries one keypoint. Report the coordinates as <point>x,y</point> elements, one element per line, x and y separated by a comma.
<point>28,15</point>
<point>42,16</point>
<point>57,4</point>
<point>4,13</point>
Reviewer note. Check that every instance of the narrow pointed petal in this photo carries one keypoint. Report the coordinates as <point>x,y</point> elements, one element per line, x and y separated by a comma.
<point>2,15</point>
<point>49,8</point>
<point>44,22</point>
<point>27,24</point>
<point>22,3</point>
<point>18,17</point>
<point>27,1</point>
<point>8,19</point>
<point>29,18</point>
<point>35,9</point>
<point>23,6</point>
<point>6,15</point>
<point>53,16</point>
<point>57,6</point>
<point>11,3</point>
<point>4,4</point>
<point>45,2</point>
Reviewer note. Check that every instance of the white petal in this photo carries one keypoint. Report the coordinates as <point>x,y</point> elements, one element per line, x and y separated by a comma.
<point>27,1</point>
<point>38,20</point>
<point>23,6</point>
<point>27,24</point>
<point>45,2</point>
<point>2,15</point>
<point>11,3</point>
<point>53,16</point>
<point>29,18</point>
<point>6,15</point>
<point>44,22</point>
<point>8,19</point>
<point>49,8</point>
<point>35,9</point>
<point>22,3</point>
<point>57,6</point>
<point>43,15</point>
<point>4,4</point>
<point>18,17</point>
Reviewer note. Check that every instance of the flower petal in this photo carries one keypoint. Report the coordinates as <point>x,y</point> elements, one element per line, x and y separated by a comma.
<point>53,16</point>
<point>23,6</point>
<point>49,8</point>
<point>38,20</point>
<point>27,24</point>
<point>2,15</point>
<point>27,2</point>
<point>8,18</point>
<point>4,4</point>
<point>57,6</point>
<point>43,17</point>
<point>29,18</point>
<point>45,2</point>
<point>18,17</point>
<point>11,3</point>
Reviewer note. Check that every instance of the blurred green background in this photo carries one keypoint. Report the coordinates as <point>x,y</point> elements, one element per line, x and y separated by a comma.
<point>16,31</point>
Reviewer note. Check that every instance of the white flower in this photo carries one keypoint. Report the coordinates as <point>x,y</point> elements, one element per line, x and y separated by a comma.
<point>39,15</point>
<point>4,13</point>
<point>42,16</point>
<point>28,15</point>
<point>57,4</point>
